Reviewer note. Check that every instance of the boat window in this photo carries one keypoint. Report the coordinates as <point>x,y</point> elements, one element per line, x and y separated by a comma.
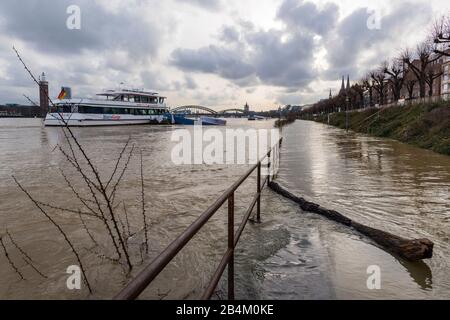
<point>137,99</point>
<point>91,110</point>
<point>108,110</point>
<point>161,100</point>
<point>66,108</point>
<point>153,100</point>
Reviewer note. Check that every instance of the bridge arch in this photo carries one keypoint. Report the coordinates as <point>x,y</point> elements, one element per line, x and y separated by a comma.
<point>190,109</point>
<point>232,111</point>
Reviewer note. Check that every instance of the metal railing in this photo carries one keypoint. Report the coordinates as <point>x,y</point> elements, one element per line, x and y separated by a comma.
<point>143,279</point>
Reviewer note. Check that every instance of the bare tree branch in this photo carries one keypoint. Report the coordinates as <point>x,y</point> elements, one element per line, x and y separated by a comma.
<point>61,231</point>
<point>143,204</point>
<point>11,263</point>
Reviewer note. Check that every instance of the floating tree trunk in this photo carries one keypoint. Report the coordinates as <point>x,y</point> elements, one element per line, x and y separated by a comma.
<point>412,250</point>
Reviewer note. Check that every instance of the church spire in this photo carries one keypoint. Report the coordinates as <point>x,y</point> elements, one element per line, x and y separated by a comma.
<point>331,96</point>
<point>343,86</point>
<point>348,82</point>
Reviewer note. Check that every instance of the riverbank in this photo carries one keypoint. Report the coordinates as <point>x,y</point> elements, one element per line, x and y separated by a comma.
<point>423,125</point>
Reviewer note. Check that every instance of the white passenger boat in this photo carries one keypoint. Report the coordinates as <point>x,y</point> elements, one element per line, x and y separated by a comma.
<point>118,107</point>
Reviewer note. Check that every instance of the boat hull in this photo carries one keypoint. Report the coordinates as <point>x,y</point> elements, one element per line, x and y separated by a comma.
<point>205,121</point>
<point>95,120</point>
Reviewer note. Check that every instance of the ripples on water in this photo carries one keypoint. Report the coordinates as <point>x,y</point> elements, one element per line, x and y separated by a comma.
<point>381,183</point>
<point>291,255</point>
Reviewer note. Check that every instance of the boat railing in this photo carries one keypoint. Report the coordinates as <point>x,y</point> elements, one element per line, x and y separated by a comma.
<point>134,289</point>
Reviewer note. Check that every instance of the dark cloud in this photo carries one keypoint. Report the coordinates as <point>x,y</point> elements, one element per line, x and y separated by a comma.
<point>282,62</point>
<point>307,16</point>
<point>213,59</point>
<point>229,35</point>
<point>353,48</point>
<point>157,81</point>
<point>286,57</point>
<point>42,23</point>
<point>248,56</point>
<point>110,46</point>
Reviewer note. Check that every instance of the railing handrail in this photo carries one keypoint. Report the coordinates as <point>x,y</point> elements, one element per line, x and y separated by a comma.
<point>146,276</point>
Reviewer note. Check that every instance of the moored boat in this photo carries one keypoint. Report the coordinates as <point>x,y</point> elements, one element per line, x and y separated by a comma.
<point>118,107</point>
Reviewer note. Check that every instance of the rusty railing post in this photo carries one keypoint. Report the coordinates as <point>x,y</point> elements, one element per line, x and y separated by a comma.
<point>231,246</point>
<point>258,189</point>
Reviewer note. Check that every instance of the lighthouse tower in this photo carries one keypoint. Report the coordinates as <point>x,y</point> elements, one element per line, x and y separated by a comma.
<point>43,95</point>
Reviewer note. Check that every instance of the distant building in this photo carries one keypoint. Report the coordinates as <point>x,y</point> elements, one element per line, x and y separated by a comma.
<point>344,89</point>
<point>15,110</point>
<point>246,108</point>
<point>445,83</point>
<point>411,87</point>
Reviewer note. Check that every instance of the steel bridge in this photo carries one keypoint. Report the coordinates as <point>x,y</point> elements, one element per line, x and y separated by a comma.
<point>201,110</point>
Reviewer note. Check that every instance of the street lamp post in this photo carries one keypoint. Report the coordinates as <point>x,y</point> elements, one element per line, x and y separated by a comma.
<point>347,101</point>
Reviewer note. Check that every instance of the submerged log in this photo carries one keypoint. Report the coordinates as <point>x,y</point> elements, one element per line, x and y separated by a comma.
<point>411,250</point>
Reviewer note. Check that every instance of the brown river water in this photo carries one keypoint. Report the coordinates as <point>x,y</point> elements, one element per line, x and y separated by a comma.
<point>290,255</point>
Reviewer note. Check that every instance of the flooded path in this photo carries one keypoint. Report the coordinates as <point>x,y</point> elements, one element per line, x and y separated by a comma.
<point>381,183</point>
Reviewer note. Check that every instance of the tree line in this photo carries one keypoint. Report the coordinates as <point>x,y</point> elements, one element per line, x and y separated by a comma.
<point>411,74</point>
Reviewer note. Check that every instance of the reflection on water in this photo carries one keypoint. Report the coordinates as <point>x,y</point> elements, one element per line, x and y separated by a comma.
<point>384,184</point>
<point>290,255</point>
<point>420,272</point>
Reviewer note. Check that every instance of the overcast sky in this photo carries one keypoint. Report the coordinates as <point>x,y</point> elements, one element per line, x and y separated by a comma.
<point>217,53</point>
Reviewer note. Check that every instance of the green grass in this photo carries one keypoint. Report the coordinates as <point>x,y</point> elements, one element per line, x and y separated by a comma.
<point>423,125</point>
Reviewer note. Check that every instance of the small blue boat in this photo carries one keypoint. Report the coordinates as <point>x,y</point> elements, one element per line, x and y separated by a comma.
<point>205,121</point>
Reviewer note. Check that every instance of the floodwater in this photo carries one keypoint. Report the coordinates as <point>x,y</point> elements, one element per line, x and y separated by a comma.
<point>381,183</point>
<point>290,255</point>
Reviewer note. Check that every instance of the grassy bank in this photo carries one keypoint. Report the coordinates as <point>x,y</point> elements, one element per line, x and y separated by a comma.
<point>423,125</point>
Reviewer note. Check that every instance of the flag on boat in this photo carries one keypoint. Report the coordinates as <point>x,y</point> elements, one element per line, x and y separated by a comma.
<point>63,94</point>
<point>66,93</point>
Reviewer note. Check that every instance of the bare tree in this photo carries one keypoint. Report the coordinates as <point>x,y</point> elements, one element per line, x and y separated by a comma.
<point>11,263</point>
<point>433,72</point>
<point>441,36</point>
<point>395,72</point>
<point>98,203</point>
<point>357,95</point>
<point>367,85</point>
<point>379,84</point>
<point>410,84</point>
<point>419,63</point>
